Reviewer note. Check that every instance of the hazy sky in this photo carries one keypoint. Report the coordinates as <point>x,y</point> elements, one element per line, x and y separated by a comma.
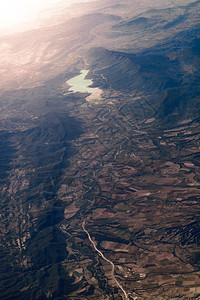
<point>15,13</point>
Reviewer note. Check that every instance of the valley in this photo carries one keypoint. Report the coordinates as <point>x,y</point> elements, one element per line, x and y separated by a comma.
<point>100,192</point>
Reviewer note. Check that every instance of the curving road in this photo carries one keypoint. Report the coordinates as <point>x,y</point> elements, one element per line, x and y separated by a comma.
<point>110,262</point>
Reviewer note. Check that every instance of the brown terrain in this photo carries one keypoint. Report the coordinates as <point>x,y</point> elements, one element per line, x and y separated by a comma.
<point>122,169</point>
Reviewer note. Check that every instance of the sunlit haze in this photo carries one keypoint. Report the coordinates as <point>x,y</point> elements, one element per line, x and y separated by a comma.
<point>14,14</point>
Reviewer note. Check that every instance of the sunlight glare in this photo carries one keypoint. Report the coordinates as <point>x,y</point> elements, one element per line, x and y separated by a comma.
<point>15,13</point>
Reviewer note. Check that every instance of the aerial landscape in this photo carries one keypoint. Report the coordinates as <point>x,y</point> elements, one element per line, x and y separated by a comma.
<point>100,153</point>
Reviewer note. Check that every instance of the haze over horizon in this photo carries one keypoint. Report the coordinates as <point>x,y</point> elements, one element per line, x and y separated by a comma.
<point>24,15</point>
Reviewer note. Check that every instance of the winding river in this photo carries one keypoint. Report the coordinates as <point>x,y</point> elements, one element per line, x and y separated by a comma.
<point>106,259</point>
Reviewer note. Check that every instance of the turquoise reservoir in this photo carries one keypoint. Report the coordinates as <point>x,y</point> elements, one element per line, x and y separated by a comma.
<point>82,85</point>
